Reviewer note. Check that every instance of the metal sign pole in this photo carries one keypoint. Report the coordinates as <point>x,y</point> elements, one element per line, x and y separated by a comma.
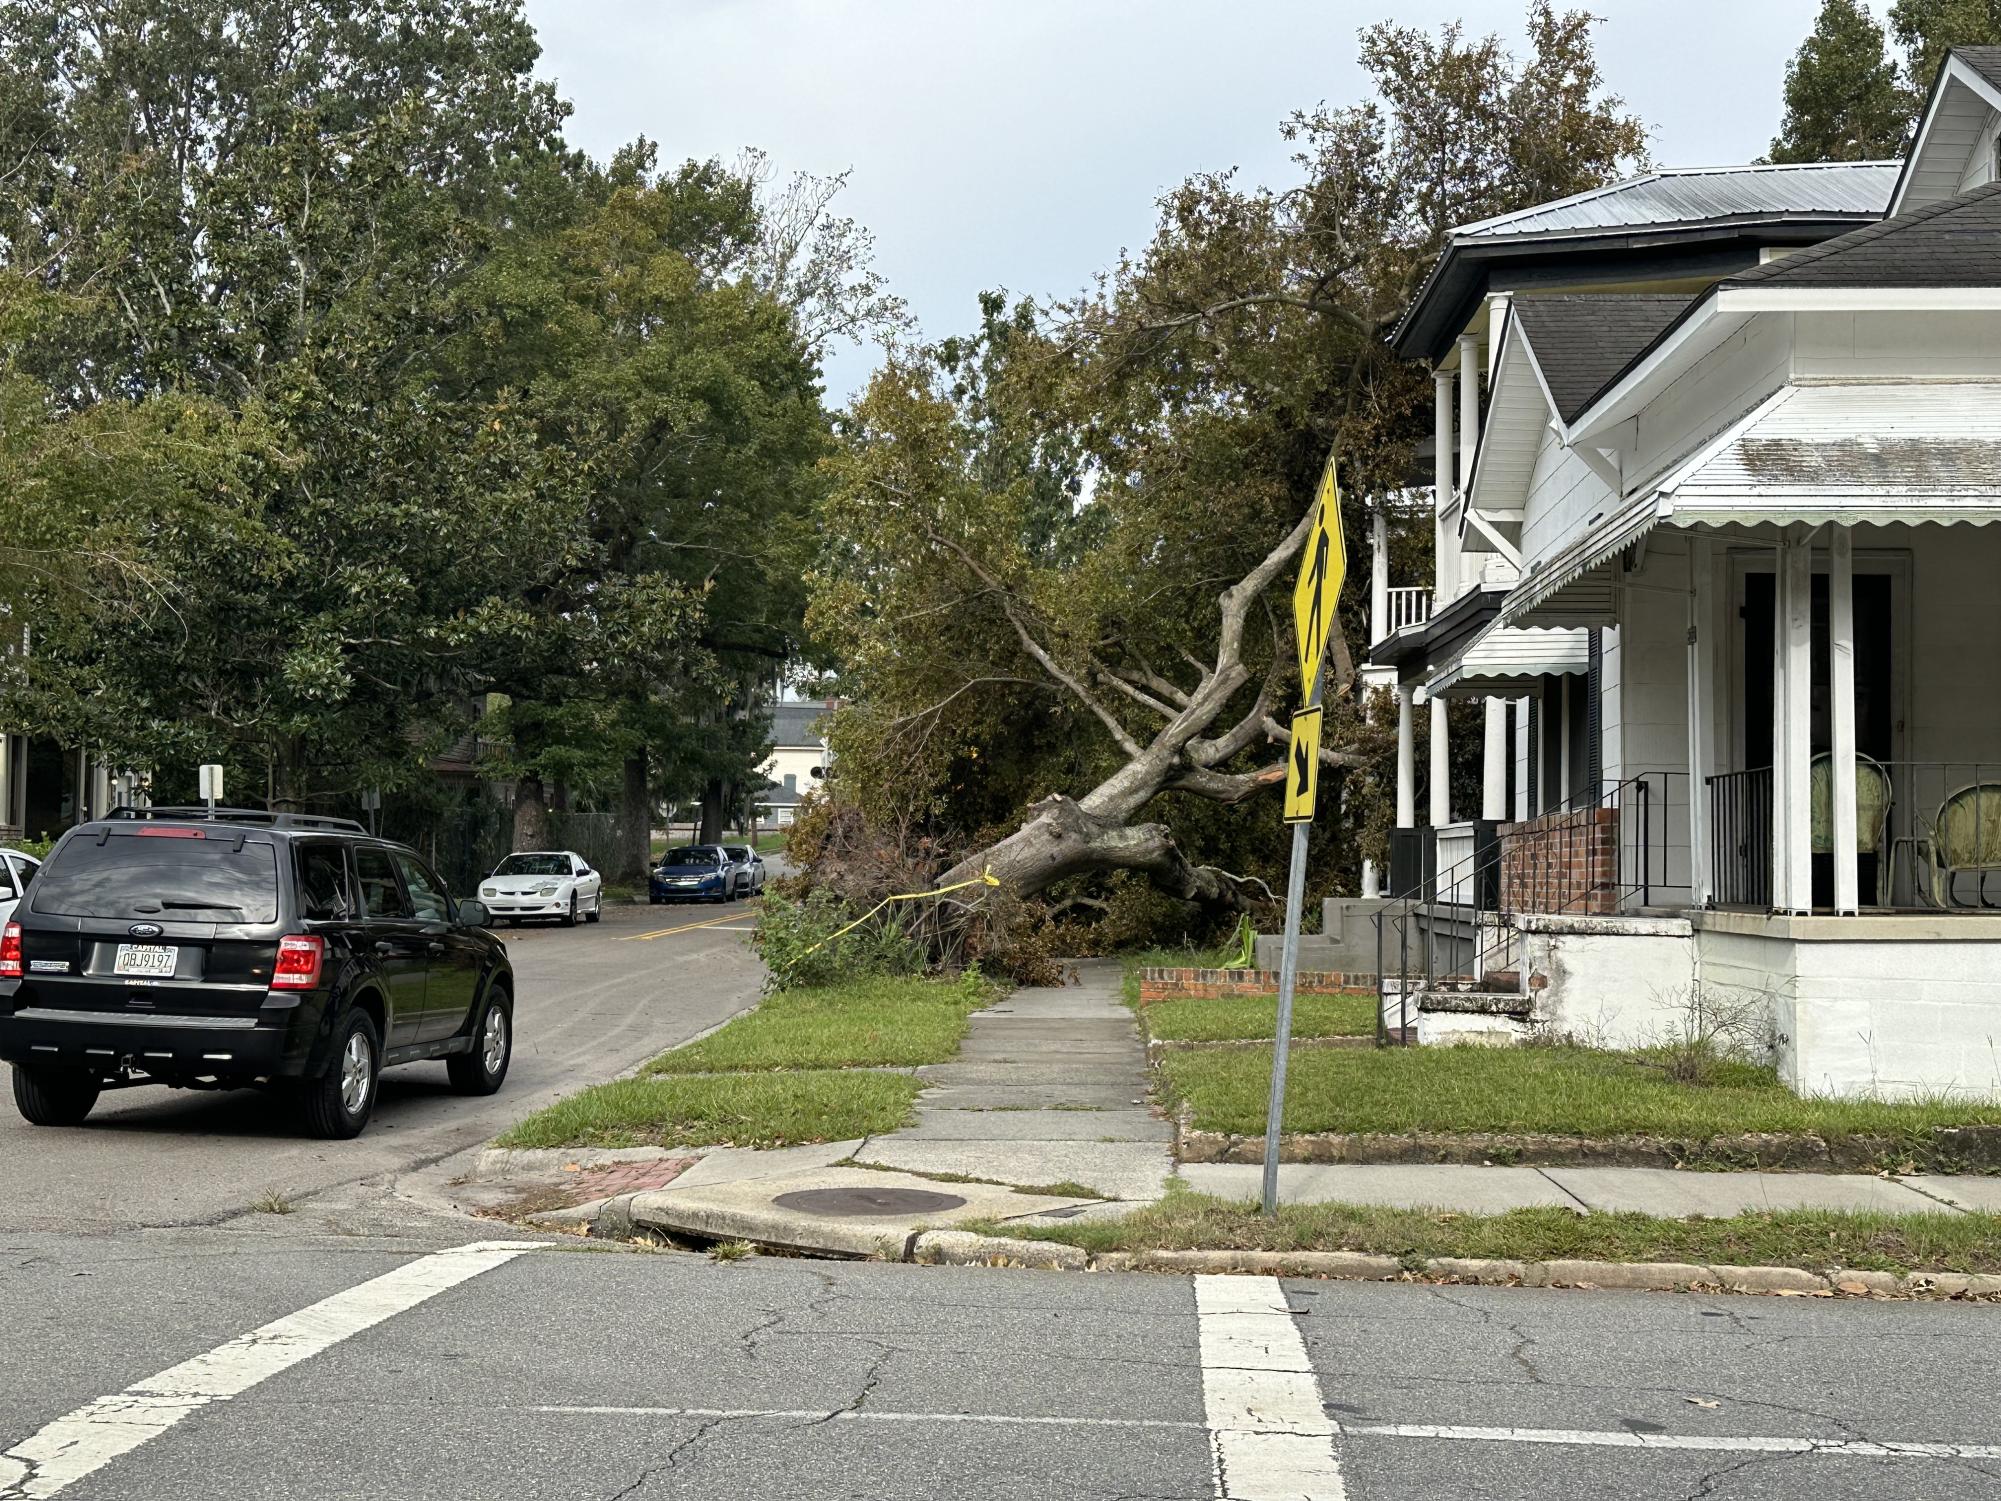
<point>1288,973</point>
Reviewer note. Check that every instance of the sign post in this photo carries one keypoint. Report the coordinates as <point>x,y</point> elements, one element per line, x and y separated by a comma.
<point>1321,571</point>
<point>211,786</point>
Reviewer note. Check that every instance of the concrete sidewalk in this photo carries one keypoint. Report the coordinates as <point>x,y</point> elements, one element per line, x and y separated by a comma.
<point>1662,1192</point>
<point>1049,1088</point>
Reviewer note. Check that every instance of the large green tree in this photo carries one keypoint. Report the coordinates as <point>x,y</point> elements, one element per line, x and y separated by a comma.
<point>1844,99</point>
<point>1054,547</point>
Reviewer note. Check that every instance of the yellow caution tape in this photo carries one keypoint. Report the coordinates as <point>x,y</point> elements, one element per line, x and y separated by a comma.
<point>984,878</point>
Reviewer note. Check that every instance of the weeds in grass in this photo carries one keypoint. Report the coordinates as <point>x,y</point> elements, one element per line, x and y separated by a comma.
<point>731,1250</point>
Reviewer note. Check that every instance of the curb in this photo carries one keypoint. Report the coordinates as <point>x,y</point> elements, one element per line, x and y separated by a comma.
<point>961,1248</point>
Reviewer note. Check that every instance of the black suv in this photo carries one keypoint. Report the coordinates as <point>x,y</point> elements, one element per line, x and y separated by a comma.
<point>214,950</point>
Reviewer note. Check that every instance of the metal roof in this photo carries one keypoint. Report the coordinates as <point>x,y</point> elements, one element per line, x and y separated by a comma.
<point>1510,659</point>
<point>1681,195</point>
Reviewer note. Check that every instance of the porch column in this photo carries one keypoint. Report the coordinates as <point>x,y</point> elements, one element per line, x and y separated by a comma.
<point>1841,710</point>
<point>1406,762</point>
<point>1441,488</point>
<point>1524,748</point>
<point>1379,574</point>
<point>1494,763</point>
<point>1469,407</point>
<point>1792,709</point>
<point>1441,767</point>
<point>1701,710</point>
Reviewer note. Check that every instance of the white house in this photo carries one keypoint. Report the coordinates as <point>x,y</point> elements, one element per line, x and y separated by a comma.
<point>798,760</point>
<point>1718,561</point>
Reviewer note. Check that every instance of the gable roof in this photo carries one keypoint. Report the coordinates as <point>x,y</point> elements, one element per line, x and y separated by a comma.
<point>1671,225</point>
<point>1953,243</point>
<point>1964,98</point>
<point>1581,340</point>
<point>792,724</point>
<point>1688,195</point>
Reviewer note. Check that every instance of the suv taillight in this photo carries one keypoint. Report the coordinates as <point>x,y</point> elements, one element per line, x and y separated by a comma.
<point>300,958</point>
<point>10,952</point>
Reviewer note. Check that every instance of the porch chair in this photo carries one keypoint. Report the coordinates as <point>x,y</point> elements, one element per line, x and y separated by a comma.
<point>1965,839</point>
<point>1872,811</point>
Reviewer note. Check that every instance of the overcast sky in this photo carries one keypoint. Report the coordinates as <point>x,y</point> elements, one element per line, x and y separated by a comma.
<point>1021,143</point>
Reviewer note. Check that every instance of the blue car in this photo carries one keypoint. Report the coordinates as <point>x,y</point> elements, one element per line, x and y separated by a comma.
<point>693,873</point>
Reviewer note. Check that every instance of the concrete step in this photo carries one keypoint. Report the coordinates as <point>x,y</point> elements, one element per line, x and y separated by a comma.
<point>1474,1003</point>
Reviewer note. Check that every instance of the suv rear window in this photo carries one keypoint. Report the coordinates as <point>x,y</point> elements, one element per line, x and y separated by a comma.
<point>137,875</point>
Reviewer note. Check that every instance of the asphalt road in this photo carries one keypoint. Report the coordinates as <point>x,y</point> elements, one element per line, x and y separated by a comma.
<point>568,1372</point>
<point>590,1002</point>
<point>158,1341</point>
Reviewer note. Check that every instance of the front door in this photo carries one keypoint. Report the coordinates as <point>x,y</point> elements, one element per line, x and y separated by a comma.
<point>398,939</point>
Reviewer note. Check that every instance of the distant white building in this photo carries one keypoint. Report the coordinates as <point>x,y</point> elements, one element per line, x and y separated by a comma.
<point>798,760</point>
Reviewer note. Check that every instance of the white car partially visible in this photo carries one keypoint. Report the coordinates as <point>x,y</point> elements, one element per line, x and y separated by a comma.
<point>544,883</point>
<point>16,871</point>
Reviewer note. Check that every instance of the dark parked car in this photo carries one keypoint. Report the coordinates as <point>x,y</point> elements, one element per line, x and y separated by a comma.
<point>216,950</point>
<point>749,866</point>
<point>693,873</point>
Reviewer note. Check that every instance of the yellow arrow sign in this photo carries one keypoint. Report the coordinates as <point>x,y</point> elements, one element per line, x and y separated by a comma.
<point>1321,571</point>
<point>1302,767</point>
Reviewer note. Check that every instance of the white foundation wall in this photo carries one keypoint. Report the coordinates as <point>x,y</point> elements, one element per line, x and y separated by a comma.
<point>1874,1016</point>
<point>1609,982</point>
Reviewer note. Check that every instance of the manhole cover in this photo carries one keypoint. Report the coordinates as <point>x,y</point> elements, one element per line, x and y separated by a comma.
<point>861,1201</point>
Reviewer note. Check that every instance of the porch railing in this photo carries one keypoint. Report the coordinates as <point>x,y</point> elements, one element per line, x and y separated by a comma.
<point>1937,846</point>
<point>1626,848</point>
<point>1740,837</point>
<point>1409,607</point>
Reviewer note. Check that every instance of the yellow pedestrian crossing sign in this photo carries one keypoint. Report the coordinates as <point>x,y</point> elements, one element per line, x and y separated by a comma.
<point>1321,570</point>
<point>1302,766</point>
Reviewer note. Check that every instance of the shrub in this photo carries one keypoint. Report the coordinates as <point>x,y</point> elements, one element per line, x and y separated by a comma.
<point>803,943</point>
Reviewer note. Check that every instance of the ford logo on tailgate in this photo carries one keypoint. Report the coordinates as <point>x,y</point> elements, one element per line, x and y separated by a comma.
<point>145,930</point>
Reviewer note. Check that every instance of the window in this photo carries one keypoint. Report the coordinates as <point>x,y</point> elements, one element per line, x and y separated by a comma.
<point>427,892</point>
<point>791,783</point>
<point>323,884</point>
<point>380,895</point>
<point>192,878</point>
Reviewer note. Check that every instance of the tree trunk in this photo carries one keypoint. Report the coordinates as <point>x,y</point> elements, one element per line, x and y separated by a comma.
<point>635,823</point>
<point>1061,838</point>
<point>715,807</point>
<point>531,814</point>
<point>288,776</point>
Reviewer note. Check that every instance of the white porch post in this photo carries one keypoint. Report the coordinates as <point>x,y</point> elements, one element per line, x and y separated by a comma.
<point>1441,488</point>
<point>1792,703</point>
<point>1701,675</point>
<point>1523,750</point>
<point>1406,763</point>
<point>1441,767</point>
<point>1841,710</point>
<point>1494,762</point>
<point>1379,574</point>
<point>1469,407</point>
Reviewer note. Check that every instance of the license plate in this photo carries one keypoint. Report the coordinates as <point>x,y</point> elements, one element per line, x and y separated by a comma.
<point>151,959</point>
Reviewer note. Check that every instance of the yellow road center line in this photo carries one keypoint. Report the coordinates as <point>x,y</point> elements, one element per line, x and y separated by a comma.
<point>689,927</point>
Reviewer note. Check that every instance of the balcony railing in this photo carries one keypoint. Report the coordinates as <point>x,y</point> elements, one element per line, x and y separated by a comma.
<point>1409,607</point>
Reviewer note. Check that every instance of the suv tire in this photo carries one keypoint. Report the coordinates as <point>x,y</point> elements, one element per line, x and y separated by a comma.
<point>337,1105</point>
<point>482,1070</point>
<point>53,1096</point>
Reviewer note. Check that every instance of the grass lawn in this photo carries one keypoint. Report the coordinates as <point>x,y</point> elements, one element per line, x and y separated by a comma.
<point>1563,1090</point>
<point>896,1023</point>
<point>1196,1019</point>
<point>746,1110</point>
<point>1181,958</point>
<point>773,844</point>
<point>1802,1238</point>
<point>794,1070</point>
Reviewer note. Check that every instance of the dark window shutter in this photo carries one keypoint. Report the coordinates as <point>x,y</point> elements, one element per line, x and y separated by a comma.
<point>1594,727</point>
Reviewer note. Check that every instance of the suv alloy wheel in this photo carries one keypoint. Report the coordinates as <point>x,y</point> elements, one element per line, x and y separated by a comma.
<point>482,1070</point>
<point>338,1103</point>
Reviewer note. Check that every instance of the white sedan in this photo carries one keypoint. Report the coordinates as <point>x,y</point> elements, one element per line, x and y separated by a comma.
<point>16,871</point>
<point>544,883</point>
